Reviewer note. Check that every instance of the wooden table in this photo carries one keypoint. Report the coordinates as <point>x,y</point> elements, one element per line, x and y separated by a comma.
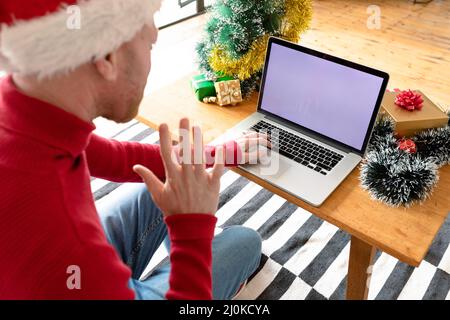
<point>403,233</point>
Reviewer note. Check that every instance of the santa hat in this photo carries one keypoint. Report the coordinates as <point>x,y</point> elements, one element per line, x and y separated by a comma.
<point>43,37</point>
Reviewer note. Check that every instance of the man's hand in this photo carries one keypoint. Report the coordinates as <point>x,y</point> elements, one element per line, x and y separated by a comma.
<point>189,188</point>
<point>254,147</point>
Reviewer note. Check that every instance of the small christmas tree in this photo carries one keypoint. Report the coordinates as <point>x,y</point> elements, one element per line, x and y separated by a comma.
<point>238,31</point>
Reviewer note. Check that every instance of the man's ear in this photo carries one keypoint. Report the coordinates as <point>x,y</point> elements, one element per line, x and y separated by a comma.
<point>107,67</point>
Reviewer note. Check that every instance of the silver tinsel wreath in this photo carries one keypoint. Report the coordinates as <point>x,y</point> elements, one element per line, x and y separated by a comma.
<point>399,178</point>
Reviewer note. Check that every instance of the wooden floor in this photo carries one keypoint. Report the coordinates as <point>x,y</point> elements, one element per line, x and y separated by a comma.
<point>412,45</point>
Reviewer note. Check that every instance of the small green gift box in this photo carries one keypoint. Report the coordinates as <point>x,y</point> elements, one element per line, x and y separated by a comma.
<point>204,87</point>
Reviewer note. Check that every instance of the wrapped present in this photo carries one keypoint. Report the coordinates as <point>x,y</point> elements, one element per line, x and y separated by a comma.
<point>204,87</point>
<point>411,114</point>
<point>228,92</point>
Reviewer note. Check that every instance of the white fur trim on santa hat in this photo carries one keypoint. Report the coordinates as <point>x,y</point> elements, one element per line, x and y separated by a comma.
<point>45,46</point>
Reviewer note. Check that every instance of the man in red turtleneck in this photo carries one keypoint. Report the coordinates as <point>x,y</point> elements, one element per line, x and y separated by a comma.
<point>53,243</point>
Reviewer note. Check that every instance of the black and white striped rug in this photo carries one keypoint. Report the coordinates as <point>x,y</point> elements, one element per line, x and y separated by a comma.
<point>304,257</point>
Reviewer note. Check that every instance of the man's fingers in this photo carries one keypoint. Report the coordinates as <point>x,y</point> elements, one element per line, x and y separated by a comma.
<point>199,154</point>
<point>253,143</point>
<point>166,148</point>
<point>250,134</point>
<point>184,139</point>
<point>177,153</point>
<point>260,154</point>
<point>260,142</point>
<point>154,185</point>
<point>219,163</point>
<point>254,134</point>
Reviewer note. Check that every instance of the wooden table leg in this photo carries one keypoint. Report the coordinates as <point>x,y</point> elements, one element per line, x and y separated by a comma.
<point>359,269</point>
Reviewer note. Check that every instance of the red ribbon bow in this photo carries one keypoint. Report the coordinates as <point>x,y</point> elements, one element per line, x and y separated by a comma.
<point>407,145</point>
<point>409,100</point>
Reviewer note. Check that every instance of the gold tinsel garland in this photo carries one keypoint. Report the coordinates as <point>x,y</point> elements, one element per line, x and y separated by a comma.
<point>244,67</point>
<point>296,21</point>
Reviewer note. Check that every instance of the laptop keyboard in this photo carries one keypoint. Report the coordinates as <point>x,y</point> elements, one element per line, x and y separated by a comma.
<point>305,152</point>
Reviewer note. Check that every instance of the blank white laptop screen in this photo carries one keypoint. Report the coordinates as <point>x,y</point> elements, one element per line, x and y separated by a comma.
<point>331,99</point>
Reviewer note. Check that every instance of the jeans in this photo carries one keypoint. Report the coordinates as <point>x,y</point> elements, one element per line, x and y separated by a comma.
<point>135,227</point>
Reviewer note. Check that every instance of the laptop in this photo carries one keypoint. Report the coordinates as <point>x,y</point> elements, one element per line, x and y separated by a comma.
<point>319,112</point>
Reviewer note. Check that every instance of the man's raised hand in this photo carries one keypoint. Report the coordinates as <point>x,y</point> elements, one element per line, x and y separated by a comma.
<point>188,188</point>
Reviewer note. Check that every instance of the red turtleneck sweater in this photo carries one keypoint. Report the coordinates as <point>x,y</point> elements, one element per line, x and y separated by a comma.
<point>48,220</point>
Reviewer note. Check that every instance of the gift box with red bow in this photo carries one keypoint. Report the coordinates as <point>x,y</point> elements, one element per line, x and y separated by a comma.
<point>412,112</point>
